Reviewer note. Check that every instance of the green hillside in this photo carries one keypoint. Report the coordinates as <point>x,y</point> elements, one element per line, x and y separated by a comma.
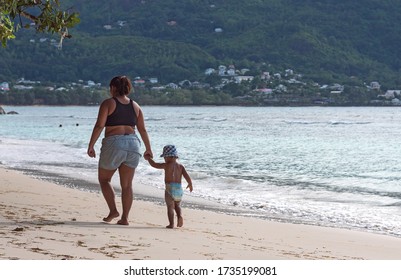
<point>326,41</point>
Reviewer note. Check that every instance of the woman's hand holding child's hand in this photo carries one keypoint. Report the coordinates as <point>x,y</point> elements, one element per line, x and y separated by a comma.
<point>147,155</point>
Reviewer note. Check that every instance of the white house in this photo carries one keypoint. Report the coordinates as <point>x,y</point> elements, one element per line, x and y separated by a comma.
<point>22,87</point>
<point>240,79</point>
<point>395,92</point>
<point>277,76</point>
<point>172,23</point>
<point>27,82</point>
<point>289,72</point>
<point>121,23</point>
<point>264,90</point>
<point>244,70</point>
<point>265,76</point>
<point>337,87</point>
<point>231,72</point>
<point>4,86</point>
<point>209,71</point>
<point>390,94</point>
<point>375,85</point>
<point>281,88</point>
<point>172,85</point>
<point>185,83</point>
<point>222,70</point>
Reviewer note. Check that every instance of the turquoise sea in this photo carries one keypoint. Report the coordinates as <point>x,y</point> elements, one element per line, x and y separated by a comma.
<point>329,166</point>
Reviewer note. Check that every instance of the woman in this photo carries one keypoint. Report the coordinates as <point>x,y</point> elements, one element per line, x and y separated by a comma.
<point>120,147</point>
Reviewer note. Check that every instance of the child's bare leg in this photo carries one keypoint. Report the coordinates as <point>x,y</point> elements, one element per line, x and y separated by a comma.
<point>177,207</point>
<point>170,209</point>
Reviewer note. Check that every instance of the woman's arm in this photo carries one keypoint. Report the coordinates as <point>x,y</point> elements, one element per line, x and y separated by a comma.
<point>98,128</point>
<point>144,134</point>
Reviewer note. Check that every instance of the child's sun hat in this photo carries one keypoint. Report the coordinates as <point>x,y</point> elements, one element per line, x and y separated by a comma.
<point>169,151</point>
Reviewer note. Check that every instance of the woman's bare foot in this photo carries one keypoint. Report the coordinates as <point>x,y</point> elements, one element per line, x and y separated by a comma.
<point>111,216</point>
<point>170,226</point>
<point>123,222</point>
<point>180,222</point>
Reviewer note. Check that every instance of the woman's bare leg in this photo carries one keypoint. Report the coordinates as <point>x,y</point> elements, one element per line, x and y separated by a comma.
<point>104,177</point>
<point>127,196</point>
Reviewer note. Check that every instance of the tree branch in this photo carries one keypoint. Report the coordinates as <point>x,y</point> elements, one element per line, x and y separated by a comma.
<point>28,16</point>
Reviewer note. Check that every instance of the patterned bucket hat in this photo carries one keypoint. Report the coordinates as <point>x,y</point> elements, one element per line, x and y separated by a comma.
<point>169,151</point>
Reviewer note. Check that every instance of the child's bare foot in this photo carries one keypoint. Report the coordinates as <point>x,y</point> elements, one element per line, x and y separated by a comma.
<point>180,222</point>
<point>111,216</point>
<point>123,222</point>
<point>170,226</point>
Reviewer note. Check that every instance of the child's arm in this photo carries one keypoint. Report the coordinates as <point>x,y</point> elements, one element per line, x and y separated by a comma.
<point>187,178</point>
<point>155,164</point>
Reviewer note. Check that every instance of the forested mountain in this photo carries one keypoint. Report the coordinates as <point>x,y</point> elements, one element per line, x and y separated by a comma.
<point>326,41</point>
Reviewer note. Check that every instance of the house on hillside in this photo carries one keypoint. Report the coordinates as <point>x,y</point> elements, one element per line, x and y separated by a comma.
<point>395,92</point>
<point>265,76</point>
<point>337,87</point>
<point>222,70</point>
<point>277,76</point>
<point>185,83</point>
<point>289,72</point>
<point>264,90</point>
<point>22,87</point>
<point>281,88</point>
<point>244,70</point>
<point>139,83</point>
<point>4,86</point>
<point>27,82</point>
<point>390,94</point>
<point>231,72</point>
<point>121,23</point>
<point>240,79</point>
<point>375,85</point>
<point>210,71</point>
<point>172,85</point>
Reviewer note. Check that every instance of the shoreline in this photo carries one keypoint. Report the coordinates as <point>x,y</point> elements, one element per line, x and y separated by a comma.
<point>46,221</point>
<point>141,192</point>
<point>149,194</point>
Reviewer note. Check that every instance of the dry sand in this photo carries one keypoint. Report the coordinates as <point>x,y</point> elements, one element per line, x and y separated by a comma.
<point>40,220</point>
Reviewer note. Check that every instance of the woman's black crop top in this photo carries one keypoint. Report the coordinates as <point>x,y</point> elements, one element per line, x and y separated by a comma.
<point>124,114</point>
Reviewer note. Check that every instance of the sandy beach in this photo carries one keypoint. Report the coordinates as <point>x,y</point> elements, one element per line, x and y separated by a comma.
<point>45,221</point>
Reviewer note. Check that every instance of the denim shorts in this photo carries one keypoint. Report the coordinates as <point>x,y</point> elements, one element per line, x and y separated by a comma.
<point>120,149</point>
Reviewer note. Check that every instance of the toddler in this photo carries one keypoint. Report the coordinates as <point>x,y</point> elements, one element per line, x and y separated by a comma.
<point>173,172</point>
